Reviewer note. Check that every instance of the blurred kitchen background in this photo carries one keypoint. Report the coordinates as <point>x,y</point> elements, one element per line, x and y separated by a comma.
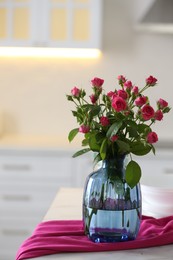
<point>133,38</point>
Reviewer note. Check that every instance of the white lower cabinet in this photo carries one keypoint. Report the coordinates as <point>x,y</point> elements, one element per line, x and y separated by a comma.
<point>29,180</point>
<point>157,169</point>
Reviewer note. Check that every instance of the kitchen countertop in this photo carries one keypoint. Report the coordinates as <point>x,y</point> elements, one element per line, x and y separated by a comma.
<point>62,208</point>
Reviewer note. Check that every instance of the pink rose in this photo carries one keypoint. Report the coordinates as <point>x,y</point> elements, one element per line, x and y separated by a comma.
<point>140,101</point>
<point>111,94</point>
<point>122,93</point>
<point>104,120</point>
<point>114,138</point>
<point>151,81</point>
<point>121,79</point>
<point>135,90</point>
<point>147,112</point>
<point>75,92</point>
<point>93,98</point>
<point>84,129</point>
<point>119,104</point>
<point>158,115</point>
<point>128,84</point>
<point>162,103</point>
<point>97,82</point>
<point>152,138</point>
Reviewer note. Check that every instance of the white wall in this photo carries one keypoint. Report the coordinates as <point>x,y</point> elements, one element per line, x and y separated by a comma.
<point>32,90</point>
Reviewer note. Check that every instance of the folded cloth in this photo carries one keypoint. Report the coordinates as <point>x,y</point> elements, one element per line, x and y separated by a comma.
<point>52,237</point>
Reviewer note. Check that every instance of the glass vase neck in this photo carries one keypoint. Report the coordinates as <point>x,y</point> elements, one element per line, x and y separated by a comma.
<point>117,162</point>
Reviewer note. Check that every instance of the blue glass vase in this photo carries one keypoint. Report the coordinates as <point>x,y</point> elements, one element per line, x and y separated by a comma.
<point>111,209</point>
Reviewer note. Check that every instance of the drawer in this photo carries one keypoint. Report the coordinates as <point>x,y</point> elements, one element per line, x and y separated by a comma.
<point>156,169</point>
<point>25,205</point>
<point>43,185</point>
<point>7,255</point>
<point>26,200</point>
<point>10,243</point>
<point>25,212</point>
<point>13,233</point>
<point>160,165</point>
<point>17,228</point>
<point>35,169</point>
<point>29,182</point>
<point>13,223</point>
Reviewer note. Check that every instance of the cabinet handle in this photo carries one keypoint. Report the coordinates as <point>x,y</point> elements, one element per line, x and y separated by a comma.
<point>168,171</point>
<point>40,44</point>
<point>18,232</point>
<point>16,167</point>
<point>16,197</point>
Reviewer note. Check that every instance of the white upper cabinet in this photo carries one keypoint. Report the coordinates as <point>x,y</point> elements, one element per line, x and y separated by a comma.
<point>16,23</point>
<point>52,23</point>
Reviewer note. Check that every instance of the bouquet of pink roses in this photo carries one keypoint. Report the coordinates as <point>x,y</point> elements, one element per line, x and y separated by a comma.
<point>118,122</point>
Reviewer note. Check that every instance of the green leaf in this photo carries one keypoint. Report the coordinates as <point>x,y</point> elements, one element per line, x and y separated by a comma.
<point>74,113</point>
<point>120,116</point>
<point>72,134</point>
<point>80,115</point>
<point>95,124</point>
<point>139,148</point>
<point>81,152</point>
<point>153,149</point>
<point>132,132</point>
<point>143,128</point>
<point>93,143</point>
<point>123,147</point>
<point>97,159</point>
<point>99,137</point>
<point>131,123</point>
<point>166,109</point>
<point>85,142</point>
<point>69,97</point>
<point>95,110</point>
<point>87,106</point>
<point>132,128</point>
<point>114,129</point>
<point>87,135</point>
<point>133,174</point>
<point>103,149</point>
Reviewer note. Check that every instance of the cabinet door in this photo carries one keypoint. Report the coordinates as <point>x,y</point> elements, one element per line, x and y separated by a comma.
<point>72,23</point>
<point>17,22</point>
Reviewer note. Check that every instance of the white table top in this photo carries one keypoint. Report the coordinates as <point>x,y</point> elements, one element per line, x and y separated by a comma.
<point>68,205</point>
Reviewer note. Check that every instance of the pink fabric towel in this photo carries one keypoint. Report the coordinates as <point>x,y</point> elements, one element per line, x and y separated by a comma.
<point>58,236</point>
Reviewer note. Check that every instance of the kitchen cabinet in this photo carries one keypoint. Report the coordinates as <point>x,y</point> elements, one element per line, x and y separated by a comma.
<point>29,179</point>
<point>31,175</point>
<point>50,23</point>
<point>157,169</point>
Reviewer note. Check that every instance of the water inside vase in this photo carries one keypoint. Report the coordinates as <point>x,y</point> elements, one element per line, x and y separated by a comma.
<point>112,225</point>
